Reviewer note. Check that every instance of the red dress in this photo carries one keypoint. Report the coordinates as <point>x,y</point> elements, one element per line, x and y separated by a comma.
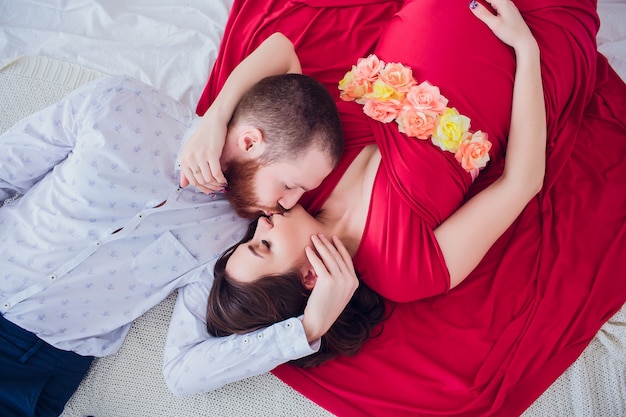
<point>492,345</point>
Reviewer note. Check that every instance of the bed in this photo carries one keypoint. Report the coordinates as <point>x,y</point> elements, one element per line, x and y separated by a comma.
<point>48,48</point>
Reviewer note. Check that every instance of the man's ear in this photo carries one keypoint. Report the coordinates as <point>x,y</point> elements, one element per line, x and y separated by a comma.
<point>309,279</point>
<point>251,142</point>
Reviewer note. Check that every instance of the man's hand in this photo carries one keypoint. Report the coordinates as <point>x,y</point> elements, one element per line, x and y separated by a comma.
<point>335,285</point>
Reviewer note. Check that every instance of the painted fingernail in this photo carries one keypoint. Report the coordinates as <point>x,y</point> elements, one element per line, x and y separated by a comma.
<point>473,4</point>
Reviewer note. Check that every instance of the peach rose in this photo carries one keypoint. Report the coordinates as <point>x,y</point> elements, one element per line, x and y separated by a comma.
<point>398,77</point>
<point>416,123</point>
<point>426,96</point>
<point>382,110</point>
<point>473,151</point>
<point>450,129</point>
<point>368,68</point>
<point>353,87</point>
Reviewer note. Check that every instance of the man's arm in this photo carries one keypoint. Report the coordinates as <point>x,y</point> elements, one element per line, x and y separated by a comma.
<point>34,145</point>
<point>196,362</point>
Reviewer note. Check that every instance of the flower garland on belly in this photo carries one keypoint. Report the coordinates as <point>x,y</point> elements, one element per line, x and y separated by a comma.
<point>388,92</point>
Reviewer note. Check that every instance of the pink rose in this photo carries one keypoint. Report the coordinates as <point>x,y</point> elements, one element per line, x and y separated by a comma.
<point>382,110</point>
<point>416,123</point>
<point>397,76</point>
<point>473,151</point>
<point>368,68</point>
<point>427,97</point>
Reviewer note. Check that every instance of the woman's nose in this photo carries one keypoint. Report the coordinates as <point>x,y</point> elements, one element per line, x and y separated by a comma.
<point>264,223</point>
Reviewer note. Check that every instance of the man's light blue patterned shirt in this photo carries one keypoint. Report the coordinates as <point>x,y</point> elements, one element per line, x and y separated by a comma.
<point>102,231</point>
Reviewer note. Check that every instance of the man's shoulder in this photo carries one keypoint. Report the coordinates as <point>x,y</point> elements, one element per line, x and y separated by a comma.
<point>117,84</point>
<point>114,88</point>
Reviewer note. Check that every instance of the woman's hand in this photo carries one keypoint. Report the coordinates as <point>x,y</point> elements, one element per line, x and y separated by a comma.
<point>335,285</point>
<point>200,157</point>
<point>507,24</point>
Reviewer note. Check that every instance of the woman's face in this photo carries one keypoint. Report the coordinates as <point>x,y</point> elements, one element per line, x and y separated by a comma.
<point>276,247</point>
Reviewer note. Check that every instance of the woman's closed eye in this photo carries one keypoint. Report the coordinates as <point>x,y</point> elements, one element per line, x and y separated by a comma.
<point>265,243</point>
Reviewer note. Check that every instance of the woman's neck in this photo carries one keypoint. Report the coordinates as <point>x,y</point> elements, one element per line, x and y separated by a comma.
<point>344,213</point>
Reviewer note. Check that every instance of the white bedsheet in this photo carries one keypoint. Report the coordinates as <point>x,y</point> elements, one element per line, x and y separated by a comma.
<point>612,35</point>
<point>170,44</point>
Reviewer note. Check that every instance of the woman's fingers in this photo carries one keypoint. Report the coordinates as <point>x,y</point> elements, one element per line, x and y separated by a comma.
<point>217,175</point>
<point>326,262</point>
<point>335,285</point>
<point>345,255</point>
<point>507,23</point>
<point>202,175</point>
<point>200,156</point>
<point>333,260</point>
<point>205,175</point>
<point>315,261</point>
<point>483,14</point>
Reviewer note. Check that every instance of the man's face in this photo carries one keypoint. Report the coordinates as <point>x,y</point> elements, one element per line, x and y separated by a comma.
<point>276,187</point>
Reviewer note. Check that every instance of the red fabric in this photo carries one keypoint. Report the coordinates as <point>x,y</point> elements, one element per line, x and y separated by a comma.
<point>492,345</point>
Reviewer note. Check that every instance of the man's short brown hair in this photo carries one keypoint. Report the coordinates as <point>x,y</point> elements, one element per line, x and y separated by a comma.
<point>293,112</point>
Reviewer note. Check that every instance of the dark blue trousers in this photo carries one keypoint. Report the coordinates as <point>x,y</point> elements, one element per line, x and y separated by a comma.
<point>36,379</point>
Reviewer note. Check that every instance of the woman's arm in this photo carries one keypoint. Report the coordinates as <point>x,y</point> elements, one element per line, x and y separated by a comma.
<point>200,157</point>
<point>466,236</point>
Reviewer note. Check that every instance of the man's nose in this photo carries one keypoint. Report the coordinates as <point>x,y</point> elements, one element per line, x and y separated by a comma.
<point>291,199</point>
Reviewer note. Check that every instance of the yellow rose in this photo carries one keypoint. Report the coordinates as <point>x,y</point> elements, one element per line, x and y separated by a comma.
<point>450,129</point>
<point>381,91</point>
<point>347,79</point>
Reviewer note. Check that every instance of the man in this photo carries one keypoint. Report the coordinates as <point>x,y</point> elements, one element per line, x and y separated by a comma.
<point>101,231</point>
<point>295,130</point>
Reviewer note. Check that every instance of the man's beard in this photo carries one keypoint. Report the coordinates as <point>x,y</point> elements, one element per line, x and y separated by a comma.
<point>241,177</point>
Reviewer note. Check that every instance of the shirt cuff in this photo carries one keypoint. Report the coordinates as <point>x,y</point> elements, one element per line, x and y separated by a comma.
<point>293,341</point>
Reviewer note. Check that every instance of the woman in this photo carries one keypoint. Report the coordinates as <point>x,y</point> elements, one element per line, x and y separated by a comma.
<point>473,351</point>
<point>450,248</point>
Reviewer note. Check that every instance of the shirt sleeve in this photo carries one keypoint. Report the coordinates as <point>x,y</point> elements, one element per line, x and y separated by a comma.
<point>195,361</point>
<point>35,144</point>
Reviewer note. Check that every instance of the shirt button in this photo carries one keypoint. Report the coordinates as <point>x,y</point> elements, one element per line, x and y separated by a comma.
<point>140,216</point>
<point>98,243</point>
<point>288,325</point>
<point>53,277</point>
<point>260,335</point>
<point>245,340</point>
<point>6,305</point>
